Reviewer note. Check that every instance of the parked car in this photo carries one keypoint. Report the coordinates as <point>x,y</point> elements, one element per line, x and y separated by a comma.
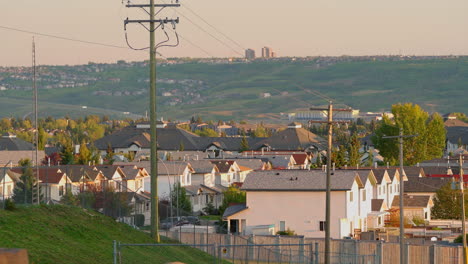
<point>193,220</point>
<point>172,221</point>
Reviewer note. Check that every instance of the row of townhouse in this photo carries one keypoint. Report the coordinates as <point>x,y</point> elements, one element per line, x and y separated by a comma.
<point>204,180</point>
<point>295,199</point>
<point>55,181</point>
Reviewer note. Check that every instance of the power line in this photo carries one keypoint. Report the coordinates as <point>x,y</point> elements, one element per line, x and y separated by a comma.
<point>211,35</point>
<point>64,38</point>
<point>209,24</point>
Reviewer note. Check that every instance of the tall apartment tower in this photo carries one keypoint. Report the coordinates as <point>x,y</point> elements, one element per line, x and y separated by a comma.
<point>266,52</point>
<point>250,54</point>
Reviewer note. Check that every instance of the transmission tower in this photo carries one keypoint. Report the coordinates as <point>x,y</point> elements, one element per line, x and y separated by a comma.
<point>153,21</point>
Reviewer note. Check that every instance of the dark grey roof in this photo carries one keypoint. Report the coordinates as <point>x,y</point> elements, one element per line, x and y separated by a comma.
<point>164,167</point>
<point>168,138</point>
<point>363,175</point>
<point>413,171</point>
<point>255,164</point>
<point>456,133</point>
<point>429,171</point>
<point>412,201</point>
<point>280,161</point>
<point>201,166</point>
<point>14,143</point>
<point>297,180</point>
<point>425,184</point>
<point>379,175</point>
<point>130,171</point>
<point>293,139</point>
<point>377,205</point>
<point>225,143</point>
<point>234,209</point>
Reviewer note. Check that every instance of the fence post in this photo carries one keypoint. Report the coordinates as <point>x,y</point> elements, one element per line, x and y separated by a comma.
<point>301,249</point>
<point>115,252</point>
<point>251,248</point>
<point>356,252</point>
<point>379,253</point>
<point>407,252</point>
<point>432,254</point>
<point>278,250</point>
<point>316,252</point>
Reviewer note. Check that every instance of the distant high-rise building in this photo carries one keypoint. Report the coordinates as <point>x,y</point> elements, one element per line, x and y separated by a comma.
<point>273,54</point>
<point>250,54</point>
<point>266,52</point>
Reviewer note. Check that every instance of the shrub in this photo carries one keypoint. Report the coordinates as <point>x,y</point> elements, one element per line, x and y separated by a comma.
<point>10,205</point>
<point>287,232</point>
<point>139,220</point>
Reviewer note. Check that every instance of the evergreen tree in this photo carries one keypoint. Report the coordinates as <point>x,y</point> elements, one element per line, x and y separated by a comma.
<point>26,189</point>
<point>354,157</point>
<point>370,158</point>
<point>42,138</point>
<point>67,155</point>
<point>244,145</point>
<point>181,146</point>
<point>180,199</point>
<point>340,157</point>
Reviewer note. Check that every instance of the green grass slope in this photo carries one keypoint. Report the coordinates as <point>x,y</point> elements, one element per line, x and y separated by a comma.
<point>61,234</point>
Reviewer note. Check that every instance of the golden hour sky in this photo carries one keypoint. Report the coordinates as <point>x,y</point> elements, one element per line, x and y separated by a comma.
<point>290,28</point>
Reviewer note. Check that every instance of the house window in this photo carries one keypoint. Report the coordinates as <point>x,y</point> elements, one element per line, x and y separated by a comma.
<point>147,206</point>
<point>390,190</point>
<point>383,190</point>
<point>322,225</point>
<point>351,196</point>
<point>379,220</point>
<point>61,190</point>
<point>282,225</point>
<point>425,215</point>
<point>363,195</point>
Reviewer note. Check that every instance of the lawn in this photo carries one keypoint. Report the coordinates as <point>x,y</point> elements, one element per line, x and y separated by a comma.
<point>62,234</point>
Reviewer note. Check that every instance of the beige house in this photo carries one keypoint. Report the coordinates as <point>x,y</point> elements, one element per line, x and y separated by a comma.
<point>415,206</point>
<point>8,182</point>
<point>295,199</point>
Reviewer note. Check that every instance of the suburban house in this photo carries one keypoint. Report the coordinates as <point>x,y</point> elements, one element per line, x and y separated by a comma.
<point>115,178</point>
<point>135,177</point>
<point>53,182</point>
<point>8,182</point>
<point>295,199</point>
<point>229,172</point>
<point>204,185</point>
<point>426,186</point>
<point>418,206</point>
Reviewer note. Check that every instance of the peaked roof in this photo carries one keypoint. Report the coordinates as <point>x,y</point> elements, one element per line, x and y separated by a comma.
<point>299,180</point>
<point>14,143</point>
<point>377,205</point>
<point>223,165</point>
<point>46,175</point>
<point>234,209</point>
<point>426,184</point>
<point>294,139</point>
<point>412,201</point>
<point>202,166</point>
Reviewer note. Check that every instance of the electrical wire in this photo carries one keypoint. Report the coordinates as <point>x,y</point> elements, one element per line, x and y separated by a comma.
<point>211,35</point>
<point>209,24</point>
<point>63,38</point>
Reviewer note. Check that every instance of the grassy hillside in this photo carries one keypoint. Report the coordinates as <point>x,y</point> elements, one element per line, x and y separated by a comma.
<point>232,91</point>
<point>59,234</point>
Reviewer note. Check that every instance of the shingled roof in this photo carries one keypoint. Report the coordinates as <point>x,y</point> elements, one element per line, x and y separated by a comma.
<point>412,201</point>
<point>202,166</point>
<point>293,138</point>
<point>425,184</point>
<point>299,180</point>
<point>9,141</point>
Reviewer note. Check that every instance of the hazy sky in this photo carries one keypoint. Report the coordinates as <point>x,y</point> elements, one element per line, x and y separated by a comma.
<point>291,28</point>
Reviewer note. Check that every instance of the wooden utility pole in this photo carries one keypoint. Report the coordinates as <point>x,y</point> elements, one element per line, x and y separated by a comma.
<point>36,128</point>
<point>462,188</point>
<point>330,123</point>
<point>400,137</point>
<point>154,152</point>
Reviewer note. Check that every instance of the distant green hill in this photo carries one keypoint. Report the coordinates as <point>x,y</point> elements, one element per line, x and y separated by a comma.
<point>61,234</point>
<point>233,90</point>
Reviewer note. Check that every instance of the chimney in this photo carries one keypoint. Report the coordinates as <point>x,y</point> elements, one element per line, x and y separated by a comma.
<point>375,165</point>
<point>388,165</point>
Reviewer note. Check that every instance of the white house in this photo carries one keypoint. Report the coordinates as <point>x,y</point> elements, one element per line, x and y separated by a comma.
<point>8,182</point>
<point>295,199</point>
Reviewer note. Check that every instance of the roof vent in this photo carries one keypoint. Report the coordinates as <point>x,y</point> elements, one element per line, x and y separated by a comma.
<point>277,173</point>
